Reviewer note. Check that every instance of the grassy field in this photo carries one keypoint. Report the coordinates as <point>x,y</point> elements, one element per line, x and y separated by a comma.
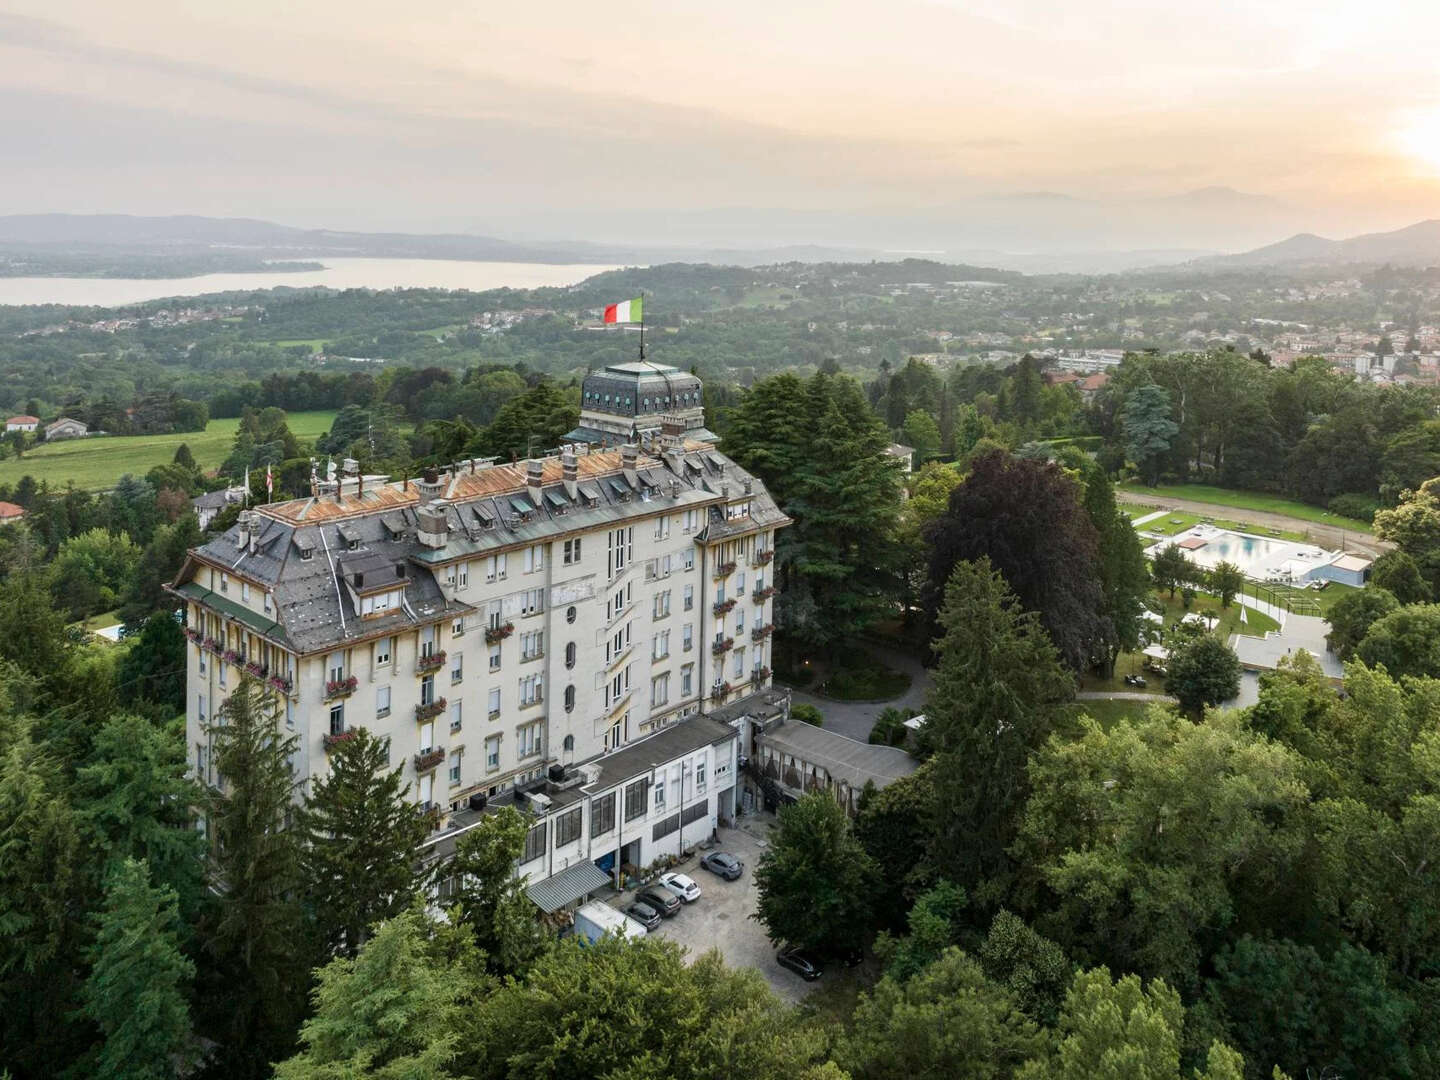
<point>1177,521</point>
<point>1110,712</point>
<point>1248,500</point>
<point>95,464</point>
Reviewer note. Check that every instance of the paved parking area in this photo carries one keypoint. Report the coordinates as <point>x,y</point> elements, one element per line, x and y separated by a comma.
<point>720,919</point>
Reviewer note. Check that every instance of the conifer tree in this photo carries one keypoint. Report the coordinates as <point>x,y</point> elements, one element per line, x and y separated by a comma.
<point>362,852</point>
<point>490,899</point>
<point>257,929</point>
<point>136,989</point>
<point>1124,580</point>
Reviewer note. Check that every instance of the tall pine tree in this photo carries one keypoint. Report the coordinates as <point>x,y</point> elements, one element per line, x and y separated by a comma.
<point>491,902</point>
<point>257,932</point>
<point>137,984</point>
<point>1124,580</point>
<point>362,852</point>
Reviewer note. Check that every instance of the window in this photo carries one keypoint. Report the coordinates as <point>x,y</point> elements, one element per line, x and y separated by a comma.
<point>202,661</point>
<point>427,736</point>
<point>739,663</point>
<point>457,628</point>
<point>662,604</point>
<point>660,690</point>
<point>427,690</point>
<point>570,614</point>
<point>494,702</point>
<point>616,735</point>
<point>689,597</point>
<point>335,665</point>
<point>635,800</point>
<point>662,527</point>
<point>688,559</point>
<point>602,815</point>
<point>200,709</point>
<point>428,639</point>
<point>455,716</point>
<point>457,668</point>
<point>462,575</point>
<point>690,521</point>
<point>570,652</point>
<point>534,558</point>
<point>245,591</point>
<point>570,698</point>
<point>495,657</point>
<point>495,568</point>
<point>492,753</point>
<point>221,667</point>
<point>660,645</point>
<point>687,680</point>
<point>382,701</point>
<point>455,756</point>
<point>224,582</point>
<point>534,843</point>
<point>700,777</point>
<point>532,601</point>
<point>529,690</point>
<point>620,549</point>
<point>572,551</point>
<point>720,593</point>
<point>532,645</point>
<point>337,718</point>
<point>740,583</point>
<point>425,790</point>
<point>383,650</point>
<point>687,637</point>
<point>528,740</point>
<point>660,794</point>
<point>567,827</point>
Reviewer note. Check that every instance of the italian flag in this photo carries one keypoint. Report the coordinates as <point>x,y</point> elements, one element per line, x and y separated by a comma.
<point>629,311</point>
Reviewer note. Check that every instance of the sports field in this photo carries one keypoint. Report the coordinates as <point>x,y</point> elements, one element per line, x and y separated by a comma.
<point>95,464</point>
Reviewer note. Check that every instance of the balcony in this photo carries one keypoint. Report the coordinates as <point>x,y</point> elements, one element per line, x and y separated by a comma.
<point>427,761</point>
<point>762,558</point>
<point>256,670</point>
<point>341,687</point>
<point>281,683</point>
<point>336,738</point>
<point>760,633</point>
<point>720,691</point>
<point>435,708</point>
<point>723,607</point>
<point>761,595</point>
<point>759,674</point>
<point>496,634</point>
<point>722,645</point>
<point>724,569</point>
<point>194,635</point>
<point>429,662</point>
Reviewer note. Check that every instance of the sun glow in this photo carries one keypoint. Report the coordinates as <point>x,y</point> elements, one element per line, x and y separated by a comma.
<point>1419,139</point>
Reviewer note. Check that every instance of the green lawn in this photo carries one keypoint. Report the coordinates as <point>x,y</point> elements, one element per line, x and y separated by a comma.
<point>1110,712</point>
<point>95,464</point>
<point>314,344</point>
<point>1249,500</point>
<point>1177,521</point>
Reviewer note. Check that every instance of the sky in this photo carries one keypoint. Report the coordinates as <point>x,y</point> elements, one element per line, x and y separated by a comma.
<point>959,122</point>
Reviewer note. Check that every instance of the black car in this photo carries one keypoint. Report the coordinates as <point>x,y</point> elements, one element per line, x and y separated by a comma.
<point>644,914</point>
<point>661,899</point>
<point>800,962</point>
<point>724,864</point>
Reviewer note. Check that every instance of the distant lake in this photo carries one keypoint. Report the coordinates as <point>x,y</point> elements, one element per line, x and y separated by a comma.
<point>338,274</point>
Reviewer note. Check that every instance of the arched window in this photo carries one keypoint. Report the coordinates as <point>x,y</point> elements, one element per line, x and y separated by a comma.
<point>570,614</point>
<point>570,655</point>
<point>569,706</point>
<point>569,743</point>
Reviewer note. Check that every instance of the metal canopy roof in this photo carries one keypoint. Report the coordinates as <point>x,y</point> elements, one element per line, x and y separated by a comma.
<point>567,886</point>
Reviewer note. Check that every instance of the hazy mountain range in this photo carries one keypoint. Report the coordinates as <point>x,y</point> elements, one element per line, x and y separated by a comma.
<point>1414,245</point>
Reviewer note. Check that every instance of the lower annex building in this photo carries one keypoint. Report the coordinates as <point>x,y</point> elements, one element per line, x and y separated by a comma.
<point>549,634</point>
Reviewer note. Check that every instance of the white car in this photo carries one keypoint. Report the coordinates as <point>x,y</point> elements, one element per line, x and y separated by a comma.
<point>682,886</point>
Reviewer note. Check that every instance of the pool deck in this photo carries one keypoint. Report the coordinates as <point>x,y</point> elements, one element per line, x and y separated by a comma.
<point>1301,632</point>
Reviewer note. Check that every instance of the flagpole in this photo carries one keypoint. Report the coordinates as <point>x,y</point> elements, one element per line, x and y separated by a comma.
<point>642,326</point>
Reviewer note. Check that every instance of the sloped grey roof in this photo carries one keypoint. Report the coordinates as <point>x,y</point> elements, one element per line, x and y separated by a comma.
<point>567,886</point>
<point>844,759</point>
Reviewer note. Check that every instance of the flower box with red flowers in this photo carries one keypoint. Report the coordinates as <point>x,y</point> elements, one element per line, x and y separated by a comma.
<point>426,762</point>
<point>213,645</point>
<point>760,674</point>
<point>233,657</point>
<point>258,670</point>
<point>720,693</point>
<point>281,683</point>
<point>435,708</point>
<point>763,557</point>
<point>337,687</point>
<point>496,634</point>
<point>761,595</point>
<point>194,635</point>
<point>725,569</point>
<point>723,645</point>
<point>431,662</point>
<point>336,738</point>
<point>723,607</point>
<point>760,633</point>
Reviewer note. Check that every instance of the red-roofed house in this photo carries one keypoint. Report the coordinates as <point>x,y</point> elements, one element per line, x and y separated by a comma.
<point>1093,384</point>
<point>10,512</point>
<point>22,423</point>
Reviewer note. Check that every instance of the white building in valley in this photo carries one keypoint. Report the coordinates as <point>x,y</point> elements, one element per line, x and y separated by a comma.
<point>548,634</point>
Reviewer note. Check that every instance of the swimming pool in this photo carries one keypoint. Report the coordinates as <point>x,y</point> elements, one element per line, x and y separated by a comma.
<point>1258,557</point>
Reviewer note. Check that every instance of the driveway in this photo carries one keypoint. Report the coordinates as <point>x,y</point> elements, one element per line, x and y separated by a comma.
<point>720,919</point>
<point>855,719</point>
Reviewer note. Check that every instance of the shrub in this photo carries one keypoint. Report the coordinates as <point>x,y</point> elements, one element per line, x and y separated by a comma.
<point>890,729</point>
<point>1351,505</point>
<point>807,714</point>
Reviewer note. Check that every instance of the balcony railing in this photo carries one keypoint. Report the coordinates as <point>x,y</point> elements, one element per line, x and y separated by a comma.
<point>435,708</point>
<point>763,594</point>
<point>760,674</point>
<point>723,645</point>
<point>762,558</point>
<point>427,761</point>
<point>194,635</point>
<point>430,661</point>
<point>720,691</point>
<point>340,687</point>
<point>724,569</point>
<point>723,607</point>
<point>258,670</point>
<point>496,634</point>
<point>760,633</point>
<point>281,683</point>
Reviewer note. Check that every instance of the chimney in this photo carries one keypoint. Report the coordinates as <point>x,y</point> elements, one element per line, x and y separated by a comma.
<point>534,470</point>
<point>629,453</point>
<point>433,530</point>
<point>569,467</point>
